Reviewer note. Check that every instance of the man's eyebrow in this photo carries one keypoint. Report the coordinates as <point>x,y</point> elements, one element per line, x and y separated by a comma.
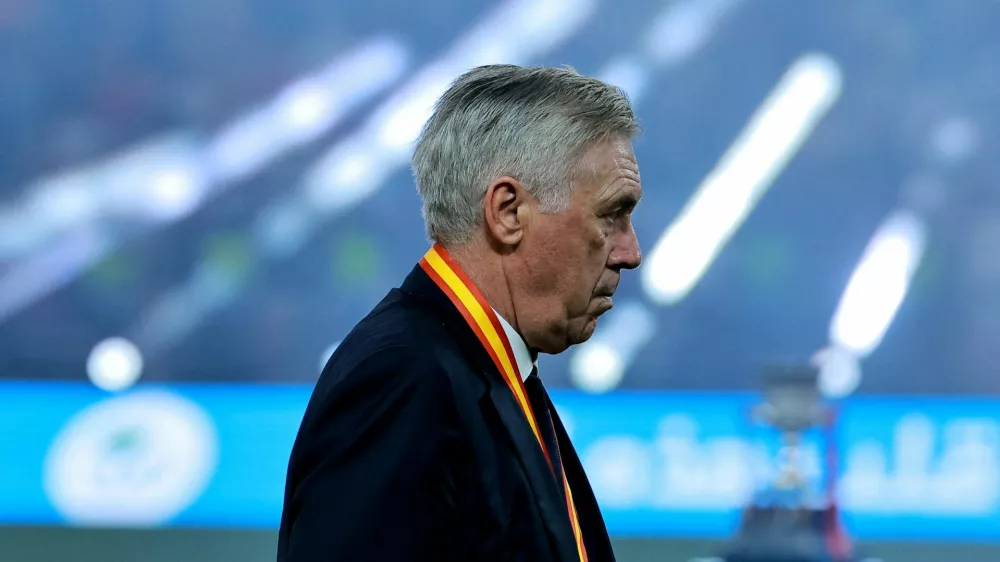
<point>629,198</point>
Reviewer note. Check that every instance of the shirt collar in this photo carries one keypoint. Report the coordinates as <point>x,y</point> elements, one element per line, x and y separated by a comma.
<point>525,364</point>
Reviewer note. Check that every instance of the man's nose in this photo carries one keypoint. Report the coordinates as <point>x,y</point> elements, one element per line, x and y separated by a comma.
<point>626,254</point>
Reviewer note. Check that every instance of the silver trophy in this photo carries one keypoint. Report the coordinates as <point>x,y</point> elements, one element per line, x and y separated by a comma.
<point>792,405</point>
<point>792,519</point>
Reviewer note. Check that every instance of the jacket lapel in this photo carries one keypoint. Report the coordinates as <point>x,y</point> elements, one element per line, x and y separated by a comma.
<point>548,497</point>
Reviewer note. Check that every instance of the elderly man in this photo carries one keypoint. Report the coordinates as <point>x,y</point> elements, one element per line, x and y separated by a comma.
<point>429,435</point>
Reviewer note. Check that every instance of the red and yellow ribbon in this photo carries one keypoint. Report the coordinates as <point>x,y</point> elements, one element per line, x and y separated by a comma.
<point>462,292</point>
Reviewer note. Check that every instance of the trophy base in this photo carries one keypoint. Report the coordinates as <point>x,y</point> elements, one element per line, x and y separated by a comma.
<point>787,534</point>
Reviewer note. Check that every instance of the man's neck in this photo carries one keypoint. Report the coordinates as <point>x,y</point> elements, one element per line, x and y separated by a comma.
<point>485,270</point>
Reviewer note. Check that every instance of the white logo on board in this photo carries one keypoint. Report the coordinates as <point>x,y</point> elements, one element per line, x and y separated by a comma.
<point>132,460</point>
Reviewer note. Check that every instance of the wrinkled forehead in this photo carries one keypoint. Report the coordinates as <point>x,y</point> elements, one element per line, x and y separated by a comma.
<point>604,157</point>
<point>610,165</point>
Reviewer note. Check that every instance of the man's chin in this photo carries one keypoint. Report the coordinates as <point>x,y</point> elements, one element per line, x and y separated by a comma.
<point>587,331</point>
<point>577,333</point>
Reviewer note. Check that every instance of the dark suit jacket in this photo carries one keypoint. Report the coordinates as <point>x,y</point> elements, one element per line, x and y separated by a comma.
<point>413,448</point>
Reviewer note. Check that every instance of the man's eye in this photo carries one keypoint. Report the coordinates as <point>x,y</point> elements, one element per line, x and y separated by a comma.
<point>618,213</point>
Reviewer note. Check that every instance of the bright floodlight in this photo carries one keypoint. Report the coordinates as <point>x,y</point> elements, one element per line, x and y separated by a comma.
<point>600,364</point>
<point>878,285</point>
<point>66,200</point>
<point>684,28</point>
<point>282,228</point>
<point>955,139</point>
<point>114,364</point>
<point>174,192</point>
<point>306,107</point>
<point>839,372</point>
<point>597,368</point>
<point>629,74</point>
<point>729,193</point>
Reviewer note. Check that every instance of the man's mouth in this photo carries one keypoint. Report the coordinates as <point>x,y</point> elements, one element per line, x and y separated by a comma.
<point>605,303</point>
<point>606,292</point>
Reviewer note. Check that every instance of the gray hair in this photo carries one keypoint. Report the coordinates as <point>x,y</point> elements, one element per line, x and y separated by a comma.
<point>528,123</point>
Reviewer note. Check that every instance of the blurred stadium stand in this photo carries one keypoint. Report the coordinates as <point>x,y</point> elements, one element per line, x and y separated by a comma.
<point>87,83</point>
<point>216,191</point>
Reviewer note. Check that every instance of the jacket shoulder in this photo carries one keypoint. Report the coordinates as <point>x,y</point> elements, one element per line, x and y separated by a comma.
<point>398,330</point>
<point>399,344</point>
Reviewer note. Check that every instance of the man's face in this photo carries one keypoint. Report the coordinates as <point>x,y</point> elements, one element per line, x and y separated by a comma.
<point>574,258</point>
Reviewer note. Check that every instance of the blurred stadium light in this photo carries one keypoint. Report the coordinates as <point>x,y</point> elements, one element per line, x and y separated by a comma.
<point>677,33</point>
<point>880,281</point>
<point>63,204</point>
<point>164,180</point>
<point>873,295</point>
<point>684,28</point>
<point>39,274</point>
<point>723,201</point>
<point>114,364</point>
<point>600,363</point>
<point>954,139</point>
<point>308,108</point>
<point>839,371</point>
<point>878,285</point>
<point>359,164</point>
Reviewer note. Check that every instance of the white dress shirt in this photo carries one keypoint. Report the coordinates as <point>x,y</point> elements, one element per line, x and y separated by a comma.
<point>522,356</point>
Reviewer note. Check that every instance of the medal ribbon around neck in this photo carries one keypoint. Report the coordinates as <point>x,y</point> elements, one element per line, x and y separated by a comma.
<point>462,292</point>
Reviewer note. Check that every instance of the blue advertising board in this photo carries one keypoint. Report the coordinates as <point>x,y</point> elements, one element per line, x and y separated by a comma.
<point>662,464</point>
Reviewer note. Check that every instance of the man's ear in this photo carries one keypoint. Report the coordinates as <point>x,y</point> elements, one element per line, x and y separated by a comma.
<point>504,207</point>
